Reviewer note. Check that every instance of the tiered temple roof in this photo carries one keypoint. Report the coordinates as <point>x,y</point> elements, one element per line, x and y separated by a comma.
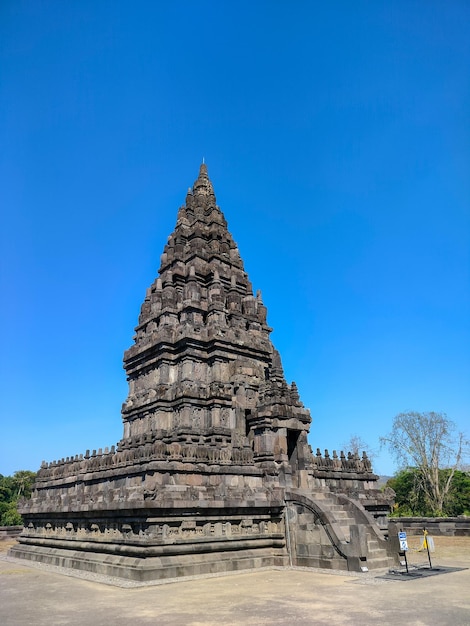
<point>202,358</point>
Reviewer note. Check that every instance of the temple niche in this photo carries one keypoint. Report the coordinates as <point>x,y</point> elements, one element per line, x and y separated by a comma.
<point>214,471</point>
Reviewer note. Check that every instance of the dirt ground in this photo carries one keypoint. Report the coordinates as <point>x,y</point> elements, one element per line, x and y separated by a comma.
<point>6,544</point>
<point>445,547</point>
<point>282,597</point>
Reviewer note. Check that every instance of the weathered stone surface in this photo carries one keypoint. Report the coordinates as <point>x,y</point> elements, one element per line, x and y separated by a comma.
<point>215,440</point>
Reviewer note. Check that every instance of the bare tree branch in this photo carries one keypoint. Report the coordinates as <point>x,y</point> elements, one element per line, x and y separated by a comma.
<point>427,441</point>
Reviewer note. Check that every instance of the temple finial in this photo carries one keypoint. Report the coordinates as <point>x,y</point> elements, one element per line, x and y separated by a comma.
<point>202,185</point>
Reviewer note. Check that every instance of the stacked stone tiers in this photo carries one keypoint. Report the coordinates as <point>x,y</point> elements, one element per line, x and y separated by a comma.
<point>202,338</point>
<point>145,449</point>
<point>155,517</point>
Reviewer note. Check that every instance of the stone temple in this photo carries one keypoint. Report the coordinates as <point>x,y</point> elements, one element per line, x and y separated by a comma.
<point>214,472</point>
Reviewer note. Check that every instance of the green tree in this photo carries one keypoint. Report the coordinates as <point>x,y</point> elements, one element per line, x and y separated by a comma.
<point>410,499</point>
<point>7,488</point>
<point>23,481</point>
<point>429,443</point>
<point>459,495</point>
<point>12,488</point>
<point>10,516</point>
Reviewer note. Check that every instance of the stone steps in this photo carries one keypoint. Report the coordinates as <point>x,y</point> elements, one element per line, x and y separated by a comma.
<point>376,554</point>
<point>342,517</point>
<point>377,557</point>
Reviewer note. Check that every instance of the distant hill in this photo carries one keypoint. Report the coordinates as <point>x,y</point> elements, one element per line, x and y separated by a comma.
<point>382,480</point>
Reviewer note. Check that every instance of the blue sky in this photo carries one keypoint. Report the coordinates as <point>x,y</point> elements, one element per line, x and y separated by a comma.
<point>337,139</point>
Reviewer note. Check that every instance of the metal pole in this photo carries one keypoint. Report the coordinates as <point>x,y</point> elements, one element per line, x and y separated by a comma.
<point>406,563</point>
<point>427,547</point>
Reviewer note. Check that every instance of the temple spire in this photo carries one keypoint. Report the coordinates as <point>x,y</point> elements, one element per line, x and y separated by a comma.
<point>203,186</point>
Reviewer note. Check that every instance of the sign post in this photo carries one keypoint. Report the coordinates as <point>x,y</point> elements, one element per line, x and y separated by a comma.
<point>426,542</point>
<point>403,547</point>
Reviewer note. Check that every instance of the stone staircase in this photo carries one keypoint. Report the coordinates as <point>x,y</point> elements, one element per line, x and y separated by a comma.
<point>347,526</point>
<point>377,556</point>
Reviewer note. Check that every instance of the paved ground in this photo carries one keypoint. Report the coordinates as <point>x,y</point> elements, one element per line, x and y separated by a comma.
<point>42,597</point>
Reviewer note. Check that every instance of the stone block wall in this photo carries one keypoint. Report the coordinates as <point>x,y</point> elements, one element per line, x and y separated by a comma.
<point>309,544</point>
<point>437,526</point>
<point>10,532</point>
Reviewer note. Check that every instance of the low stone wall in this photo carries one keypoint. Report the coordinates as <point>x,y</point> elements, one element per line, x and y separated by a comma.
<point>437,526</point>
<point>10,532</point>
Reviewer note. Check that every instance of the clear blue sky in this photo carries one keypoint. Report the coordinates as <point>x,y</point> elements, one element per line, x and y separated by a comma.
<point>337,137</point>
